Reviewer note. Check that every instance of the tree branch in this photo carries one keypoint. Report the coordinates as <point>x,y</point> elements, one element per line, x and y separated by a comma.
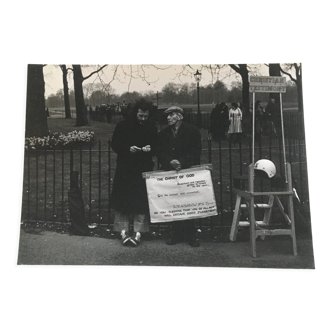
<point>159,68</point>
<point>65,69</point>
<point>131,76</point>
<point>113,78</point>
<point>94,72</point>
<point>145,77</point>
<point>237,69</point>
<point>288,74</point>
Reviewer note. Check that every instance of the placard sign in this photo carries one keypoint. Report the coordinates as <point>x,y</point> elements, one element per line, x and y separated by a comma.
<point>180,195</point>
<point>267,84</point>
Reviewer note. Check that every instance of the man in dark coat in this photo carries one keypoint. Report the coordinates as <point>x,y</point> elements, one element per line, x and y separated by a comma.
<point>102,112</point>
<point>272,114</point>
<point>179,147</point>
<point>134,141</point>
<point>219,121</point>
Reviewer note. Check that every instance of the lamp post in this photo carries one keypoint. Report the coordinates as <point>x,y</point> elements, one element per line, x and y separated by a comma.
<point>198,77</point>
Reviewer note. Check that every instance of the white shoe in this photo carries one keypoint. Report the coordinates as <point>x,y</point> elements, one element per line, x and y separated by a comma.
<point>135,240</point>
<point>125,238</point>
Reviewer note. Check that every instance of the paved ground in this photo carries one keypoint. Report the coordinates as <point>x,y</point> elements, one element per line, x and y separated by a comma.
<point>52,248</point>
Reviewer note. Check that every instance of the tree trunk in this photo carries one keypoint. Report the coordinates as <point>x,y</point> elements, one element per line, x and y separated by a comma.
<point>36,120</point>
<point>81,111</point>
<point>299,86</point>
<point>243,71</point>
<point>300,93</point>
<point>65,91</point>
<point>274,70</point>
<point>245,86</point>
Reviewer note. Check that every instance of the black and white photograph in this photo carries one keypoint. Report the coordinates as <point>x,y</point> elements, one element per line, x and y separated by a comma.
<point>187,165</point>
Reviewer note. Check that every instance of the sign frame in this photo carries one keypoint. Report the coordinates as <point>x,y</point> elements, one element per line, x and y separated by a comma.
<point>178,195</point>
<point>267,84</point>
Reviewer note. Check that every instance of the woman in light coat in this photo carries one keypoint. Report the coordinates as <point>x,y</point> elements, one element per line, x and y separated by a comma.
<point>235,118</point>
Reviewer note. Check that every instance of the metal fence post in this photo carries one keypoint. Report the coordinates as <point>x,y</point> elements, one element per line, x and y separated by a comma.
<point>90,182</point>
<point>300,158</point>
<point>54,215</point>
<point>270,156</point>
<point>210,162</point>
<point>250,151</point>
<point>81,167</point>
<point>63,183</point>
<point>28,153</point>
<point>71,161</point>
<point>260,144</point>
<point>209,149</point>
<point>240,151</point>
<point>280,155</point>
<point>290,150</point>
<point>109,183</point>
<point>45,181</point>
<point>37,183</point>
<point>220,185</point>
<point>230,173</point>
<point>99,183</point>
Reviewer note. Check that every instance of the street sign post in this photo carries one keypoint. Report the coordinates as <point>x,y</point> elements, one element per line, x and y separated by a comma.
<point>268,84</point>
<point>157,98</point>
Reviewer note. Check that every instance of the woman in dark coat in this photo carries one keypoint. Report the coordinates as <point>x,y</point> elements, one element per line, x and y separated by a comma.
<point>134,142</point>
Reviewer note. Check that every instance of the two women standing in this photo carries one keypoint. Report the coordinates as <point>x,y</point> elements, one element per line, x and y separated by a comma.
<point>224,121</point>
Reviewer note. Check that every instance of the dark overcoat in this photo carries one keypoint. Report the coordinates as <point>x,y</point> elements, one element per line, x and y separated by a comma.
<point>219,121</point>
<point>273,117</point>
<point>185,147</point>
<point>129,189</point>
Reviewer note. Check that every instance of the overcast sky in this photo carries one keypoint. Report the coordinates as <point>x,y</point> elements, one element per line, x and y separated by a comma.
<point>144,77</point>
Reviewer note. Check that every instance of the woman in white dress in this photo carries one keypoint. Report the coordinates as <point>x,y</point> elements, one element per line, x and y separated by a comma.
<point>235,118</point>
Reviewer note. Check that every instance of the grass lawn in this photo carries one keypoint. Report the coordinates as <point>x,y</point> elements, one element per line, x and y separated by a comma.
<point>207,108</point>
<point>45,187</point>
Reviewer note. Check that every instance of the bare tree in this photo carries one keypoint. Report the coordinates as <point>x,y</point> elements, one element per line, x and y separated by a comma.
<point>36,120</point>
<point>81,111</point>
<point>243,70</point>
<point>276,68</point>
<point>297,67</point>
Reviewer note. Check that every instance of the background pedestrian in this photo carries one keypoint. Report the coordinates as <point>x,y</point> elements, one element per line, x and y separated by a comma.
<point>235,118</point>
